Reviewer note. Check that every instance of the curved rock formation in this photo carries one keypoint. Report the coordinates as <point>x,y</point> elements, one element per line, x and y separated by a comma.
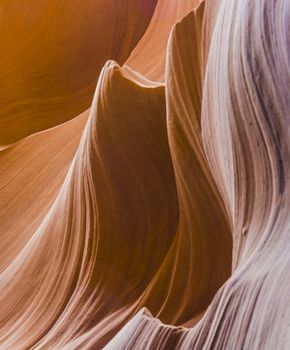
<point>165,225</point>
<point>245,133</point>
<point>149,56</point>
<point>29,183</point>
<point>122,166</point>
<point>52,53</point>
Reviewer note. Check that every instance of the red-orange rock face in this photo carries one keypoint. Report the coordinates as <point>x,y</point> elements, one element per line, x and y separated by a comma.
<point>144,174</point>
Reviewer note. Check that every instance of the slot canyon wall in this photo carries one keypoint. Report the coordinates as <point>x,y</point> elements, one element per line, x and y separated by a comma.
<point>144,177</point>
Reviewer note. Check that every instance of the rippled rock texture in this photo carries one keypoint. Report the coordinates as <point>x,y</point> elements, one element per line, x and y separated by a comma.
<point>144,176</point>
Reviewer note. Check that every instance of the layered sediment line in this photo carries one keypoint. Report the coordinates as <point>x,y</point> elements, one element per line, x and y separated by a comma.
<point>245,135</point>
<point>199,260</point>
<point>166,225</point>
<point>31,174</point>
<point>80,271</point>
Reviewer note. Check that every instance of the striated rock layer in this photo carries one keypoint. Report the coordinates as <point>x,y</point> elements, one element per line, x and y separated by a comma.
<point>245,135</point>
<point>158,219</point>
